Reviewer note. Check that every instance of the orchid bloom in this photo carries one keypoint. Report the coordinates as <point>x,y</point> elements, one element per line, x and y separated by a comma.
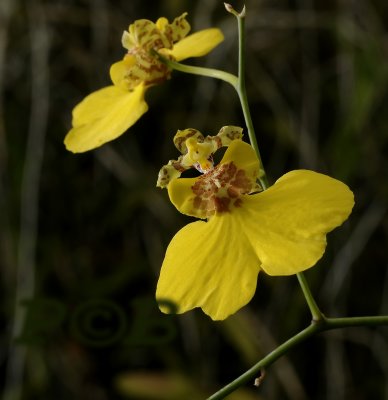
<point>214,264</point>
<point>107,113</point>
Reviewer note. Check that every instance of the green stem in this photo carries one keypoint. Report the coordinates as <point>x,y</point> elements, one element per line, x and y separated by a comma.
<point>315,327</point>
<point>315,311</point>
<point>253,372</point>
<point>209,72</point>
<point>242,94</point>
<point>376,320</point>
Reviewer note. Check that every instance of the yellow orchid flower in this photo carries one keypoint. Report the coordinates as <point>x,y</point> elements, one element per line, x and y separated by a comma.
<point>109,112</point>
<point>282,231</point>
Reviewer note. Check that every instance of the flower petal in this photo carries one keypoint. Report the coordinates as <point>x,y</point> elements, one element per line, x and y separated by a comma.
<point>119,70</point>
<point>182,196</point>
<point>177,30</point>
<point>204,269</point>
<point>198,44</point>
<point>287,223</point>
<point>103,116</point>
<point>243,156</point>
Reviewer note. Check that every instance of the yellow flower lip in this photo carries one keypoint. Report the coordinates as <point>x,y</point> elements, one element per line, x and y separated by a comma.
<point>282,231</point>
<point>107,113</point>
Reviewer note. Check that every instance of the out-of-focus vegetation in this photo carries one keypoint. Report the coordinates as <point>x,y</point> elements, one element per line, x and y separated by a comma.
<point>83,236</point>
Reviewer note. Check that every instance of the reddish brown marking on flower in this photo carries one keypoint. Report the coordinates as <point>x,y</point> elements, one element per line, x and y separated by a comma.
<point>181,140</point>
<point>233,135</point>
<point>238,203</point>
<point>147,69</point>
<point>218,190</point>
<point>233,192</point>
<point>241,180</point>
<point>218,141</point>
<point>142,34</point>
<point>222,204</point>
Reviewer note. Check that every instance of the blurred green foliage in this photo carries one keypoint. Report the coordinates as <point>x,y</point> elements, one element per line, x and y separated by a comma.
<point>78,228</point>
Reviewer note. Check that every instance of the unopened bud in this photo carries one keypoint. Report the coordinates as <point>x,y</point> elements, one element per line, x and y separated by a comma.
<point>231,10</point>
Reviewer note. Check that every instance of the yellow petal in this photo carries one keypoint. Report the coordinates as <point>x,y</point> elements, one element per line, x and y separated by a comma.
<point>144,34</point>
<point>209,265</point>
<point>103,116</point>
<point>178,29</point>
<point>161,23</point>
<point>182,196</point>
<point>198,44</point>
<point>287,223</point>
<point>243,156</point>
<point>119,70</point>
<point>180,190</point>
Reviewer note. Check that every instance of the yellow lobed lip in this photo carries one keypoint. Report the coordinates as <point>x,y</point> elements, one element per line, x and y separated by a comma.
<point>281,231</point>
<point>107,113</point>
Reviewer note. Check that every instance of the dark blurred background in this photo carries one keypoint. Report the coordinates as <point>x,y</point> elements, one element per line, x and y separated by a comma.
<point>83,236</point>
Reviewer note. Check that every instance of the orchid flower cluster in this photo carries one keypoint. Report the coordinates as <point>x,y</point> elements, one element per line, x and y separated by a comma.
<point>245,227</point>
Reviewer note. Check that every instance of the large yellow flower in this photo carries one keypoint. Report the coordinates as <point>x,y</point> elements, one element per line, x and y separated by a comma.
<point>109,112</point>
<point>282,230</point>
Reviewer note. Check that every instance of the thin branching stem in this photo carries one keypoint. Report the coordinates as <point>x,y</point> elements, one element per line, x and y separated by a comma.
<point>324,324</point>
<point>315,311</point>
<point>209,72</point>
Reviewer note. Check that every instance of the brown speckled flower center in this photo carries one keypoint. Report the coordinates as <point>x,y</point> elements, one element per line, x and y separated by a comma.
<point>220,189</point>
<point>147,69</point>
